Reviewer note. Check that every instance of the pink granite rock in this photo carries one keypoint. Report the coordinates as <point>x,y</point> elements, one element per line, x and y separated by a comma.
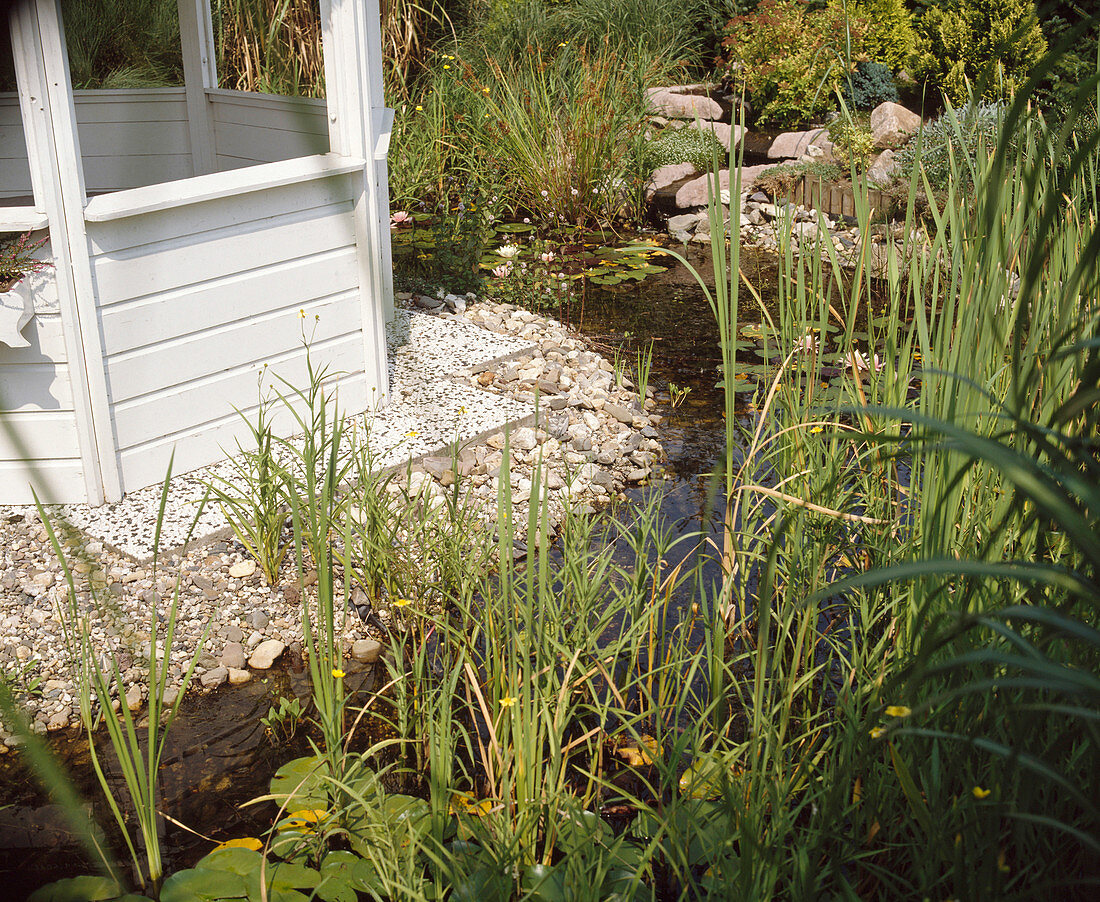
<point>663,176</point>
<point>694,193</point>
<point>892,124</point>
<point>683,102</point>
<point>792,145</point>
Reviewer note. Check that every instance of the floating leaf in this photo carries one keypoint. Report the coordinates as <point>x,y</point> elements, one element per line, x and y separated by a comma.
<point>514,228</point>
<point>642,754</point>
<point>77,889</point>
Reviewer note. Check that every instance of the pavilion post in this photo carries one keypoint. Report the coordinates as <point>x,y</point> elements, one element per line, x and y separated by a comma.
<point>49,120</point>
<point>200,74</point>
<point>351,31</point>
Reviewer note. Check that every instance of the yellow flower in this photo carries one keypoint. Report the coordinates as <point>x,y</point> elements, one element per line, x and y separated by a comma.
<point>486,90</point>
<point>402,602</point>
<point>446,66</point>
<point>507,702</point>
<point>339,674</point>
<point>420,109</point>
<point>301,313</point>
<point>980,793</point>
<point>877,732</point>
<point>412,433</point>
<point>898,711</point>
<point>816,429</point>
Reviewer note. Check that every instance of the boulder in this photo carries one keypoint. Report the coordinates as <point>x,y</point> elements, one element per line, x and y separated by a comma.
<point>664,176</point>
<point>366,651</point>
<point>892,124</point>
<point>694,193</point>
<point>793,145</point>
<point>684,102</point>
<point>266,653</point>
<point>883,170</point>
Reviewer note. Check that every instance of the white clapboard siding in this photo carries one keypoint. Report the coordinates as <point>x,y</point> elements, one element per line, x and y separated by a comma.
<point>131,138</point>
<point>128,139</point>
<point>15,171</point>
<point>38,438</point>
<point>194,301</point>
<point>264,128</point>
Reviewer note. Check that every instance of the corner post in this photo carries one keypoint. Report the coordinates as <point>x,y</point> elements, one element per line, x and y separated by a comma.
<point>359,127</point>
<point>200,74</point>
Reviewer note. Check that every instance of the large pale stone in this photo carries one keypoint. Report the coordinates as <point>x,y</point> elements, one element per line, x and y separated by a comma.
<point>892,124</point>
<point>366,651</point>
<point>694,193</point>
<point>677,102</point>
<point>266,653</point>
<point>663,176</point>
<point>242,569</point>
<point>883,170</point>
<point>793,145</point>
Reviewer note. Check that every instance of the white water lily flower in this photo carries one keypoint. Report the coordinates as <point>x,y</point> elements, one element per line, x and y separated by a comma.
<point>508,251</point>
<point>503,271</point>
<point>856,359</point>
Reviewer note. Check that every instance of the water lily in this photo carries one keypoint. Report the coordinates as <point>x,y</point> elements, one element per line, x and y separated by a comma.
<point>856,359</point>
<point>400,218</point>
<point>503,271</point>
<point>508,251</point>
<point>808,344</point>
<point>547,256</point>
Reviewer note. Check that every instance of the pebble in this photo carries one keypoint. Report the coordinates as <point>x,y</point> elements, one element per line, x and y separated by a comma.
<point>366,651</point>
<point>242,569</point>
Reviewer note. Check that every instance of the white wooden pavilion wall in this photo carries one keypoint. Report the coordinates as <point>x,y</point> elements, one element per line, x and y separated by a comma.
<point>263,128</point>
<point>37,400</point>
<point>194,302</point>
<point>128,139</point>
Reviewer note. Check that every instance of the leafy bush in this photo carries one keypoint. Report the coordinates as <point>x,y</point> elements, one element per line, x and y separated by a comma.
<point>890,38</point>
<point>869,85</point>
<point>992,42</point>
<point>789,61</point>
<point>685,145</point>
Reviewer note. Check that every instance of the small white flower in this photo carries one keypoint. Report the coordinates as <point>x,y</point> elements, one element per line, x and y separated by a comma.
<point>547,256</point>
<point>574,191</point>
<point>544,193</point>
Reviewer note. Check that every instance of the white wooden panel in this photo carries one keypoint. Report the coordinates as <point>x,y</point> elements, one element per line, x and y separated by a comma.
<point>151,138</point>
<point>209,443</point>
<point>190,220</point>
<point>174,363</point>
<point>133,171</point>
<point>214,255</point>
<point>302,114</point>
<point>266,145</point>
<point>47,338</point>
<point>35,386</point>
<point>39,435</point>
<point>220,185</point>
<point>181,409</point>
<point>163,317</point>
<point>56,480</point>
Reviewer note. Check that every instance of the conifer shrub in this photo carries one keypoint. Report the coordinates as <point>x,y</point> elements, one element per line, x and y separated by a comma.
<point>869,85</point>
<point>992,42</point>
<point>890,38</point>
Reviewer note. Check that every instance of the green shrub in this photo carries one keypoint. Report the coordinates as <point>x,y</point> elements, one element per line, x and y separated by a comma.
<point>789,61</point>
<point>685,145</point>
<point>890,37</point>
<point>869,85</point>
<point>851,143</point>
<point>992,42</point>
